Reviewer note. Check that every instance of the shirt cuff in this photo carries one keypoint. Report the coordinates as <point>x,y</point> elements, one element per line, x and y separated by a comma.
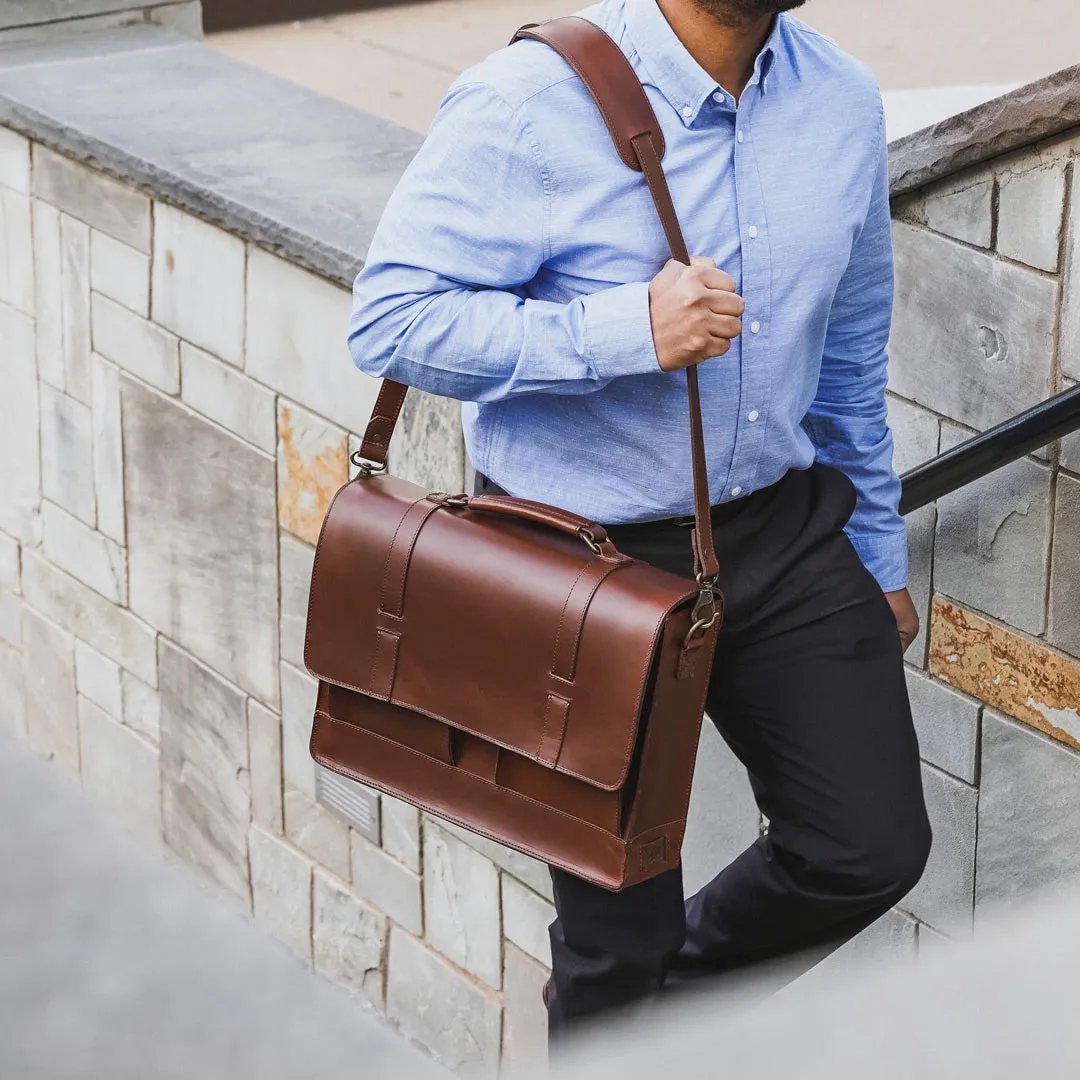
<point>885,555</point>
<point>618,331</point>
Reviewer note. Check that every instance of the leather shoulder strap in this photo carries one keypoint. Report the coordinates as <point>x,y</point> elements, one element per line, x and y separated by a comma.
<point>639,141</point>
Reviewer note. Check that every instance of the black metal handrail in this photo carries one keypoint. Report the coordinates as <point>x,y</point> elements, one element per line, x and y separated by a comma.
<point>990,451</point>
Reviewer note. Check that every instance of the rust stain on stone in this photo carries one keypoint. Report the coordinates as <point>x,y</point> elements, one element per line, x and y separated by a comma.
<point>311,468</point>
<point>1013,675</point>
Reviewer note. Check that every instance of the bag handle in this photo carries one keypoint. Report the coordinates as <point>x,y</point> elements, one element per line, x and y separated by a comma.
<point>637,136</point>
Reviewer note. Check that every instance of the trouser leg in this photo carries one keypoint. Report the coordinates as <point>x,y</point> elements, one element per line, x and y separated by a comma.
<point>808,689</point>
<point>809,693</point>
<point>610,949</point>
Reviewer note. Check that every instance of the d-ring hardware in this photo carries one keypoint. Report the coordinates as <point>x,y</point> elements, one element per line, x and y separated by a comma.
<point>365,467</point>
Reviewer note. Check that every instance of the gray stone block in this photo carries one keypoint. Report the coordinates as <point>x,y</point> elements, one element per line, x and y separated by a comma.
<point>264,751</point>
<point>916,434</point>
<point>965,213</point>
<point>389,885</point>
<point>921,530</point>
<point>84,553</point>
<point>12,694</point>
<point>428,447</point>
<point>120,272</point>
<point>198,284</point>
<point>20,496</point>
<point>932,944</point>
<point>348,939</point>
<point>1029,816</point>
<point>110,629</point>
<point>14,161</point>
<point>892,937</point>
<point>297,559</point>
<point>281,891</point>
<point>202,539</point>
<point>993,541</point>
<point>461,905</point>
<point>442,1008</point>
<point>97,678</point>
<point>67,440</point>
<point>946,895</point>
<point>317,832</point>
<point>206,805</point>
<point>75,302</point>
<point>120,770</point>
<point>35,12</point>
<point>297,325</point>
<point>48,293</point>
<point>527,869</point>
<point>1070,445</point>
<point>1070,312</point>
<point>16,251</point>
<point>947,723</point>
<point>525,1029</point>
<point>10,618</point>
<point>141,706</point>
<point>9,563</point>
<point>401,831</point>
<point>186,18</point>
<point>298,690</point>
<point>138,346</point>
<point>236,402</point>
<point>526,918</point>
<point>955,347</point>
<point>49,679</point>
<point>108,440</point>
<point>1021,118</point>
<point>1064,620</point>
<point>92,197</point>
<point>1030,210</point>
<point>724,819</point>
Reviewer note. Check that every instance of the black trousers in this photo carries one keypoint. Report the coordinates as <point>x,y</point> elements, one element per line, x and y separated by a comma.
<point>808,691</point>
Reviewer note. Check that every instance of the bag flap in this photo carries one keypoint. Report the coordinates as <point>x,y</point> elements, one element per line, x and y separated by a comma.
<point>504,629</point>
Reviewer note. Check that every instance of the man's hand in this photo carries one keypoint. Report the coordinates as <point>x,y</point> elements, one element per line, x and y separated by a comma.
<point>695,313</point>
<point>907,618</point>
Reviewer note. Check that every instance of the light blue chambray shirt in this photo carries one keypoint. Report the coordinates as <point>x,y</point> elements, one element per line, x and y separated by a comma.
<point>510,271</point>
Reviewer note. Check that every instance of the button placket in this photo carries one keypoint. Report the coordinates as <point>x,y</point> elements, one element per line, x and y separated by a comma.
<point>756,283</point>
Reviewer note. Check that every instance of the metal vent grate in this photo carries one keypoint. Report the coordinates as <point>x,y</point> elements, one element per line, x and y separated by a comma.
<point>352,802</point>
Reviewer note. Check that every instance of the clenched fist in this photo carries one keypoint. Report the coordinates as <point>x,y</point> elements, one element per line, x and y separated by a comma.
<point>695,313</point>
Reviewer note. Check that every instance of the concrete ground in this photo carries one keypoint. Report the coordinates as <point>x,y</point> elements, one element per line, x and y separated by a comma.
<point>945,55</point>
<point>114,966</point>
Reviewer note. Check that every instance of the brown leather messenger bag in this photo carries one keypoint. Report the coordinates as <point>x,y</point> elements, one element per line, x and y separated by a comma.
<point>497,662</point>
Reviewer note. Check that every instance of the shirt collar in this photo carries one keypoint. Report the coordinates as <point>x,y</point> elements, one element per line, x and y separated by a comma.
<point>674,72</point>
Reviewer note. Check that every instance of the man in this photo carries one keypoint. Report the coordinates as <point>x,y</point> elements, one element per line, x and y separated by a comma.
<point>520,267</point>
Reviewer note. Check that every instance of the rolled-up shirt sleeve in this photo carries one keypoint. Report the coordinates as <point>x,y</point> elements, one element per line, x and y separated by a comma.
<point>847,421</point>
<point>441,303</point>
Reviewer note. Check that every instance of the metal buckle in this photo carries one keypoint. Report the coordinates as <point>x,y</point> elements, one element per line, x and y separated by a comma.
<point>454,502</point>
<point>590,539</point>
<point>366,467</point>
<point>706,611</point>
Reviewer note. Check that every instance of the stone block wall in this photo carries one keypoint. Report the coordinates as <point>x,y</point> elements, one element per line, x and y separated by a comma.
<point>24,21</point>
<point>178,410</point>
<point>987,324</point>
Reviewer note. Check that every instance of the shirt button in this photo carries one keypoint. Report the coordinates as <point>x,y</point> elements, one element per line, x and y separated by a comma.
<point>736,491</point>
<point>718,97</point>
<point>753,231</point>
<point>755,327</point>
<point>752,415</point>
<point>687,112</point>
<point>739,136</point>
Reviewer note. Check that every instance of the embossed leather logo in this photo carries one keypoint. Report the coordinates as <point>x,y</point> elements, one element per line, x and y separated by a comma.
<point>653,852</point>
